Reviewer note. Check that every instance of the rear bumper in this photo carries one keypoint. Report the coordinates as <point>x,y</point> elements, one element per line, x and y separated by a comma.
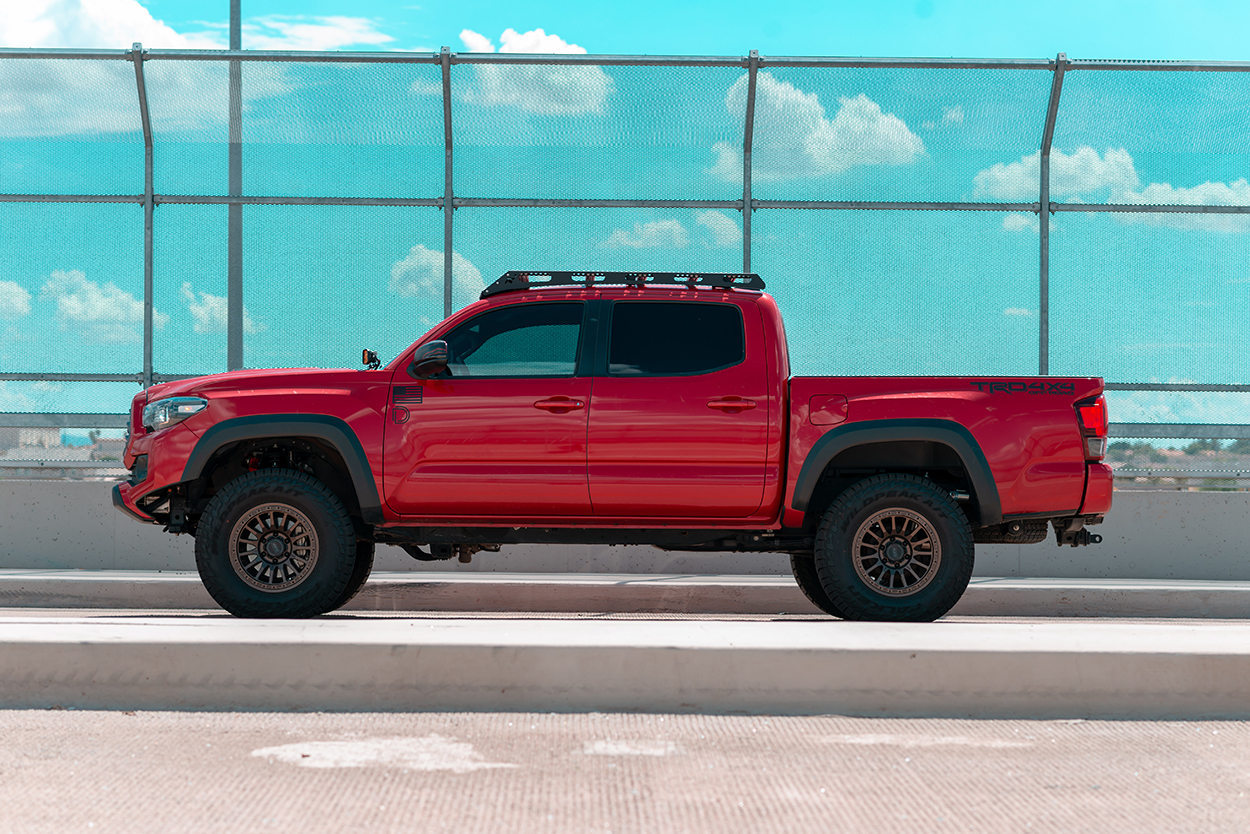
<point>1099,481</point>
<point>121,494</point>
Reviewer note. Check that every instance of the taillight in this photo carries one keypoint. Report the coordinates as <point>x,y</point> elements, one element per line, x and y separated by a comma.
<point>1093,416</point>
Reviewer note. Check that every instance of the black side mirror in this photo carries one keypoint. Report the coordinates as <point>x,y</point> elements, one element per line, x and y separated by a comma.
<point>430,359</point>
<point>369,359</point>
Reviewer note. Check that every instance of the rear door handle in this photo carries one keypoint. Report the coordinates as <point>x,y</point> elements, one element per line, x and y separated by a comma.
<point>731,405</point>
<point>560,405</point>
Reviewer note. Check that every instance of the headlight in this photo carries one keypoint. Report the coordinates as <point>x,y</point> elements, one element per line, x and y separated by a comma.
<point>164,413</point>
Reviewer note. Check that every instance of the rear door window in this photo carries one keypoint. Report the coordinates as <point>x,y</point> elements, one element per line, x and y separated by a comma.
<point>659,338</point>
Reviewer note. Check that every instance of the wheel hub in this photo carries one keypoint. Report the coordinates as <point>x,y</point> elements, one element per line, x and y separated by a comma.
<point>275,549</point>
<point>896,552</point>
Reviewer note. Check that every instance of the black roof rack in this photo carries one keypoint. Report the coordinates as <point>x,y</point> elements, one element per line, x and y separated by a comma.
<point>523,280</point>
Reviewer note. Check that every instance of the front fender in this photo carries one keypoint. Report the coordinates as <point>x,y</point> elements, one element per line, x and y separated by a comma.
<point>331,430</point>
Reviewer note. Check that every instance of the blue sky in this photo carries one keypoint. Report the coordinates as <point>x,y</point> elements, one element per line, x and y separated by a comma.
<point>1133,298</point>
<point>1168,29</point>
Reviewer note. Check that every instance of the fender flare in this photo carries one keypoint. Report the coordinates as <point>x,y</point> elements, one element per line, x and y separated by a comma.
<point>332,430</point>
<point>946,432</point>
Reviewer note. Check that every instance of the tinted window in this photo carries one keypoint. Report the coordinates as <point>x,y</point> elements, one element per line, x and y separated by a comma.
<point>655,338</point>
<point>518,340</point>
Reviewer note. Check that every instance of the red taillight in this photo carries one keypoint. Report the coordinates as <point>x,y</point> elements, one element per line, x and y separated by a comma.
<point>1093,417</point>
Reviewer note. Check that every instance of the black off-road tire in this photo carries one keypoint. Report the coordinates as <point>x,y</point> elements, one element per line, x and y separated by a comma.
<point>803,566</point>
<point>360,574</point>
<point>894,525</point>
<point>311,529</point>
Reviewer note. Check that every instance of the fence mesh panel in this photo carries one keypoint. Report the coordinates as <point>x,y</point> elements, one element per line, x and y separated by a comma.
<point>595,132</point>
<point>323,282</point>
<point>69,127</point>
<point>71,291</point>
<point>954,293</point>
<point>899,135</point>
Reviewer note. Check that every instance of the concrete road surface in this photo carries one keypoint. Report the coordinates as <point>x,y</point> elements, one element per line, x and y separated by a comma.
<point>66,771</point>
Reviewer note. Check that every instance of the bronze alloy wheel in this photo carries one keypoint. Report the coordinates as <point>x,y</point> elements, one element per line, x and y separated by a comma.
<point>273,547</point>
<point>896,552</point>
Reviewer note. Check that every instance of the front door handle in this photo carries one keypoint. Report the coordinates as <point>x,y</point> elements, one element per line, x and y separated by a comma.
<point>560,405</point>
<point>731,405</point>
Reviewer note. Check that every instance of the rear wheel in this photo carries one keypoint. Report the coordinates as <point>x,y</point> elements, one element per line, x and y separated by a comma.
<point>894,548</point>
<point>277,543</point>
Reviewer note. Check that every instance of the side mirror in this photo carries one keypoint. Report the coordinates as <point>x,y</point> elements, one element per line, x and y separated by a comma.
<point>369,359</point>
<point>429,359</point>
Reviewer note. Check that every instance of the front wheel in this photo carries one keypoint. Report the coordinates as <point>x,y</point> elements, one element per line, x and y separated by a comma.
<point>894,548</point>
<point>276,543</point>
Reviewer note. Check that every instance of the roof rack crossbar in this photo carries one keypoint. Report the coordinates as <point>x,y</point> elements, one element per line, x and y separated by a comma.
<point>514,280</point>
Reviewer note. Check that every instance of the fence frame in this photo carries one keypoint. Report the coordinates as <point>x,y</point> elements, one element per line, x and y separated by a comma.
<point>445,59</point>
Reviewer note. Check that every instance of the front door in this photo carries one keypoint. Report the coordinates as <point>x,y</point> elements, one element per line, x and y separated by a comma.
<point>503,431</point>
<point>679,426</point>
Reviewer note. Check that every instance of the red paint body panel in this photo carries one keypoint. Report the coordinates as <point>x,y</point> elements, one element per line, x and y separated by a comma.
<point>641,452</point>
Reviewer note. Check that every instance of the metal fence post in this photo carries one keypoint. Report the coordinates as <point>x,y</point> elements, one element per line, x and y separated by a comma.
<point>1043,218</point>
<point>748,135</point>
<point>136,55</point>
<point>234,256</point>
<point>448,200</point>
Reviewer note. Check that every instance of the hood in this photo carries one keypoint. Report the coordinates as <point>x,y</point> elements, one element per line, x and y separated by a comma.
<point>259,379</point>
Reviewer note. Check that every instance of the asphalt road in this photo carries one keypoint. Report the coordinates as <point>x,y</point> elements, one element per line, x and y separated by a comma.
<point>67,771</point>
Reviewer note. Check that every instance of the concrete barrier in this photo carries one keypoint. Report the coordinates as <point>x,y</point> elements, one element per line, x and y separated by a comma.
<point>983,670</point>
<point>1148,535</point>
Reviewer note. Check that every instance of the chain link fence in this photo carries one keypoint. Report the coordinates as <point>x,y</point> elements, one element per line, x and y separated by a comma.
<point>175,213</point>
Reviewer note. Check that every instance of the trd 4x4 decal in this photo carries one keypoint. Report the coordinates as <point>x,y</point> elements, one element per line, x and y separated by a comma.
<point>1025,387</point>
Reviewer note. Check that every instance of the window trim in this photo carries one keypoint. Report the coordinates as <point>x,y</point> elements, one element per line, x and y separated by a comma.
<point>581,361</point>
<point>602,365</point>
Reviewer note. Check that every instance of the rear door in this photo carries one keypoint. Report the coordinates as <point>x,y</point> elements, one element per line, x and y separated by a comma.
<point>503,431</point>
<point>679,425</point>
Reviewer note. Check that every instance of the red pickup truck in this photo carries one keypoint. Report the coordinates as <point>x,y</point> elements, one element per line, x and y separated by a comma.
<point>613,408</point>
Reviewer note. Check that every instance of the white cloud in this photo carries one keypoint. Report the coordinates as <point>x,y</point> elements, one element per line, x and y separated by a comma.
<point>1236,193</point>
<point>98,314</point>
<point>77,97</point>
<point>1081,172</point>
<point>14,300</point>
<point>211,312</point>
<point>318,34</point>
<point>544,90</point>
<point>953,115</point>
<point>423,87</point>
<point>1021,312</point>
<point>1018,222</point>
<point>93,24</point>
<point>420,275</point>
<point>657,233</point>
<point>794,139</point>
<point>724,228</point>
<point>116,24</point>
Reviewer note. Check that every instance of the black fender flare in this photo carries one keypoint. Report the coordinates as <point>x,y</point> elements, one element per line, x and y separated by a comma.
<point>331,430</point>
<point>946,432</point>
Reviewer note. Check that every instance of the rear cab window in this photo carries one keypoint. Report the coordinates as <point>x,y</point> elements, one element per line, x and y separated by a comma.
<point>674,338</point>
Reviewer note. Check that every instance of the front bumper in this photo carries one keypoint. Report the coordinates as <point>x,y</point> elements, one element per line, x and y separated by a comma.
<point>121,500</point>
